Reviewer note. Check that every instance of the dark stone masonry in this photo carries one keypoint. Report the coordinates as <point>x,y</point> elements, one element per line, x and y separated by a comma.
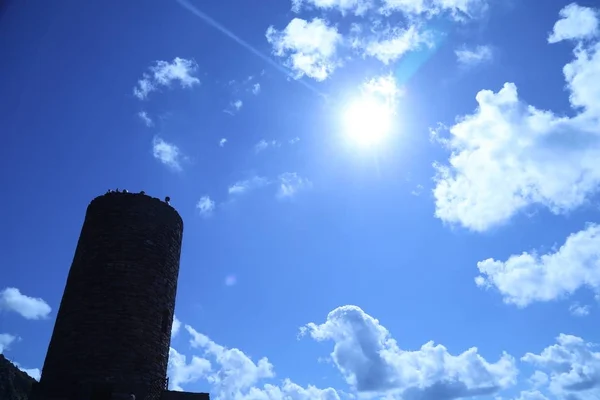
<point>113,328</point>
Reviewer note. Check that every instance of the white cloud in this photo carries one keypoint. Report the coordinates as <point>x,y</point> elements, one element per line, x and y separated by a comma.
<point>417,191</point>
<point>166,153</point>
<point>289,390</point>
<point>222,142</point>
<point>234,107</point>
<point>509,155</point>
<point>371,361</point>
<point>35,373</point>
<point>248,184</point>
<point>175,327</point>
<point>578,310</point>
<point>11,299</point>
<point>263,145</point>
<point>5,341</point>
<point>143,115</point>
<point>471,57</point>
<point>234,375</point>
<point>393,43</point>
<point>529,277</point>
<point>308,47</point>
<point>237,371</point>
<point>531,395</point>
<point>576,23</point>
<point>205,206</point>
<point>358,7</point>
<point>256,88</point>
<point>538,378</point>
<point>260,146</point>
<point>291,183</point>
<point>294,140</point>
<point>163,74</point>
<point>182,372</point>
<point>573,367</point>
<point>460,9</point>
<point>383,88</point>
<point>288,185</point>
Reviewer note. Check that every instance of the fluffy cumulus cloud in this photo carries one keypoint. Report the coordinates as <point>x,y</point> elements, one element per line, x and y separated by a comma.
<point>371,361</point>
<point>529,277</point>
<point>182,372</point>
<point>11,299</point>
<point>573,368</point>
<point>470,57</point>
<point>576,23</point>
<point>167,153</point>
<point>237,372</point>
<point>232,374</point>
<point>164,74</point>
<point>363,351</point>
<point>205,206</point>
<point>316,48</point>
<point>309,47</point>
<point>509,155</point>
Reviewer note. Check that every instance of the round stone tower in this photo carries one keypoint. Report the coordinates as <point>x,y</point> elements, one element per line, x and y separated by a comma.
<point>113,327</point>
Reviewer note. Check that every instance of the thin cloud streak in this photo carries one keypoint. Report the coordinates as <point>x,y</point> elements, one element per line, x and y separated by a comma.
<point>206,18</point>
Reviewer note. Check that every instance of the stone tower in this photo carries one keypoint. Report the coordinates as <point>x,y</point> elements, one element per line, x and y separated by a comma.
<point>113,328</point>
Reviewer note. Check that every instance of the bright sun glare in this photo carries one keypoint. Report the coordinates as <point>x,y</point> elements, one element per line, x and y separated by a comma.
<point>369,118</point>
<point>368,121</point>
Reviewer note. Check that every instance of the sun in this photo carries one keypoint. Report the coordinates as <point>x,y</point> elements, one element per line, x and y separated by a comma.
<point>370,116</point>
<point>368,120</point>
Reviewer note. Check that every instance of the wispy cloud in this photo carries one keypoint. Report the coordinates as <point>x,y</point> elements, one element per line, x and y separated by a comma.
<point>417,190</point>
<point>167,153</point>
<point>5,341</point>
<point>263,145</point>
<point>205,206</point>
<point>143,115</point>
<point>163,74</point>
<point>222,142</point>
<point>248,184</point>
<point>294,140</point>
<point>291,183</point>
<point>234,107</point>
<point>256,88</point>
<point>578,310</point>
<point>471,57</point>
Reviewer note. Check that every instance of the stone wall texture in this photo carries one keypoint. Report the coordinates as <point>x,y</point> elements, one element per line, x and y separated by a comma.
<point>113,325</point>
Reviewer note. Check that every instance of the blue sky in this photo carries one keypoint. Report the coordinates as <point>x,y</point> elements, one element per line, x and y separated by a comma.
<point>383,199</point>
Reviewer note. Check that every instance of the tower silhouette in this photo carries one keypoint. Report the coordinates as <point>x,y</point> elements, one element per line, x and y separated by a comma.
<point>113,328</point>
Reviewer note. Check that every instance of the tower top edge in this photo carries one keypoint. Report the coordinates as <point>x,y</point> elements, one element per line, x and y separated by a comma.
<point>124,195</point>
